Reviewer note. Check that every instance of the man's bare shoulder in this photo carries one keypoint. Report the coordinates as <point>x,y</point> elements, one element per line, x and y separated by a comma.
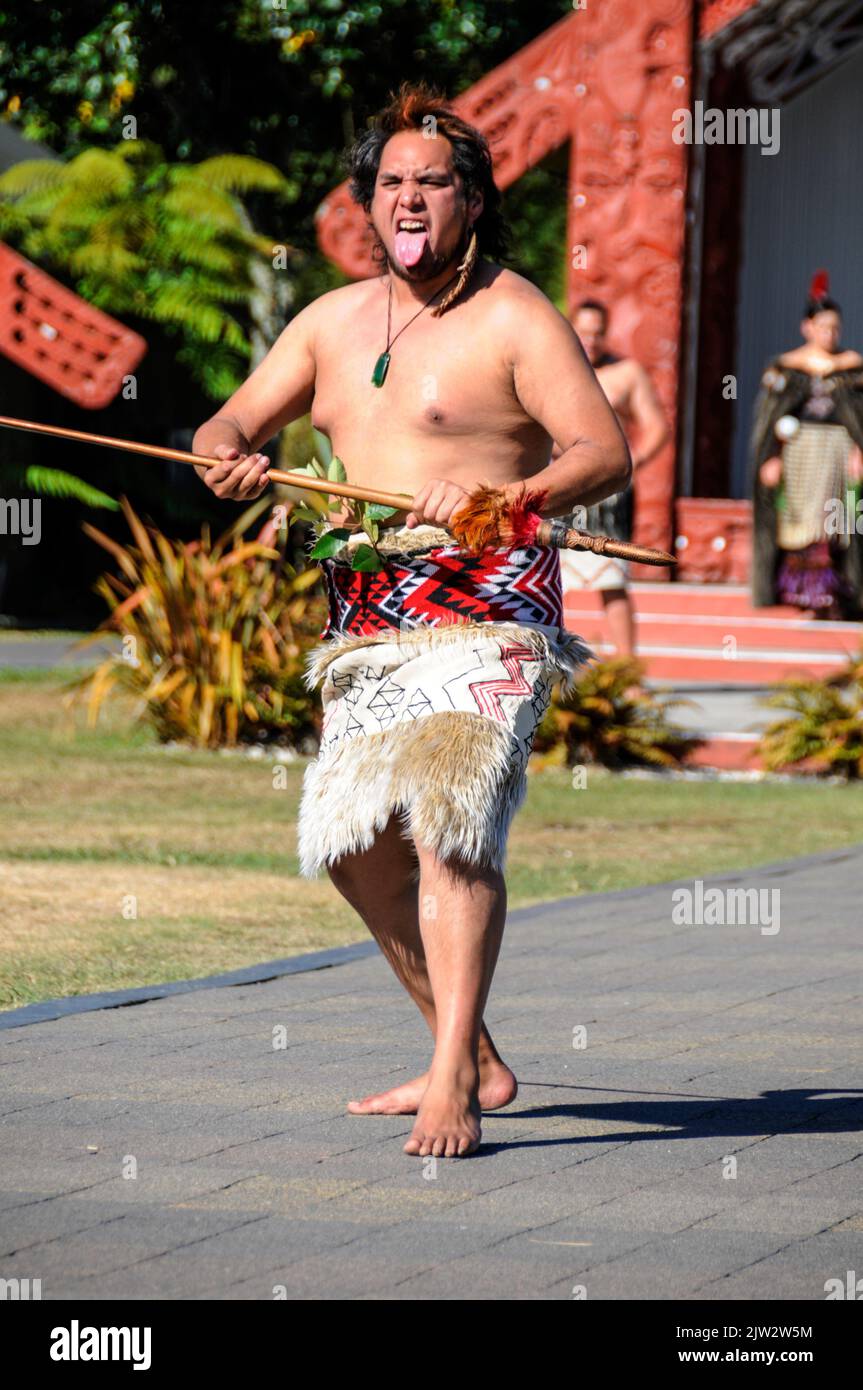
<point>626,369</point>
<point>520,316</point>
<point>334,306</point>
<point>509,293</point>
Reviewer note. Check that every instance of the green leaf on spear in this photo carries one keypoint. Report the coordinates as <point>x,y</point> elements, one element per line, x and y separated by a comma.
<point>336,471</point>
<point>330,543</point>
<point>376,511</point>
<point>367,559</point>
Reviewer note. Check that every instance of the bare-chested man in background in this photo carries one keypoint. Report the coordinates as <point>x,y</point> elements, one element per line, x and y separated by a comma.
<point>509,377</point>
<point>632,397</point>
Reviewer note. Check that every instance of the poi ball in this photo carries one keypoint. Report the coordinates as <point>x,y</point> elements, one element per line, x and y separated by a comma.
<point>786,427</point>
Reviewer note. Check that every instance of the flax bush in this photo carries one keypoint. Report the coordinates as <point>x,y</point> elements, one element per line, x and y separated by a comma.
<point>824,725</point>
<point>213,636</point>
<point>610,719</point>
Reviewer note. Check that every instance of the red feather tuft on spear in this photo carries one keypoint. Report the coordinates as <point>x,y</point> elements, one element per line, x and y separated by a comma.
<point>491,517</point>
<point>819,286</point>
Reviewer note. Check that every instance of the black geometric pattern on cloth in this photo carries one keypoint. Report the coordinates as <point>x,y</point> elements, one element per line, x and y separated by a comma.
<point>478,665</point>
<point>443,585</point>
<point>346,682</point>
<point>541,697</point>
<point>499,677</point>
<point>385,702</point>
<point>419,703</point>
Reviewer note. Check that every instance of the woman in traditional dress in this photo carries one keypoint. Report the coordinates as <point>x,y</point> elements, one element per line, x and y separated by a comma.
<point>807,465</point>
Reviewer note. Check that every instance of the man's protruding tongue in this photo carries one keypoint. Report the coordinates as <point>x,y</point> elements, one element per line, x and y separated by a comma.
<point>410,246</point>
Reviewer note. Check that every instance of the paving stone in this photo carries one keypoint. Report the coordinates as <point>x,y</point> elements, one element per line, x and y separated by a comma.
<point>607,1172</point>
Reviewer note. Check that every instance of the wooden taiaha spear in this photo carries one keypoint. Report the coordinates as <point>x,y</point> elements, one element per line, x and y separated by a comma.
<point>546,533</point>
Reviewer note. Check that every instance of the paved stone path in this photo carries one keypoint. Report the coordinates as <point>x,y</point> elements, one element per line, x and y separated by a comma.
<point>704,1044</point>
<point>44,653</point>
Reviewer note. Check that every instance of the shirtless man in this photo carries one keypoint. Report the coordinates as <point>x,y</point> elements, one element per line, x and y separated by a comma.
<point>477,394</point>
<point>634,401</point>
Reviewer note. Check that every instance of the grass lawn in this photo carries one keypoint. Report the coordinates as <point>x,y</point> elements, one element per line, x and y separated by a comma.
<point>123,863</point>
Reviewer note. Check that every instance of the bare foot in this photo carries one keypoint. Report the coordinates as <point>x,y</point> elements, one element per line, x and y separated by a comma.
<point>447,1123</point>
<point>497,1087</point>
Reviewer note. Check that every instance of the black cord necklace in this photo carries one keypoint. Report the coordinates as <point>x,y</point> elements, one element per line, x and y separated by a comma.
<point>379,375</point>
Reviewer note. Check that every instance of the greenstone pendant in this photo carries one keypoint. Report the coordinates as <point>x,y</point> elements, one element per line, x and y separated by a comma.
<point>379,375</point>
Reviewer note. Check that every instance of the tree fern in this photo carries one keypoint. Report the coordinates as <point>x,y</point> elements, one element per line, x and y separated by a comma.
<point>107,258</point>
<point>217,369</point>
<point>240,173</point>
<point>54,482</point>
<point>28,176</point>
<point>192,199</point>
<point>170,243</point>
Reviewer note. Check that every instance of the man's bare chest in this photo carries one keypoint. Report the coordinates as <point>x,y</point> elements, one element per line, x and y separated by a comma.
<point>436,381</point>
<point>616,388</point>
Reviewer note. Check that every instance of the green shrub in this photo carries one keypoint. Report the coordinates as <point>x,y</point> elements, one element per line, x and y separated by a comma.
<point>825,723</point>
<point>213,636</point>
<point>611,719</point>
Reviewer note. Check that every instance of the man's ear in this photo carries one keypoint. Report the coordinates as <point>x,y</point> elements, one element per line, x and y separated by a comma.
<point>475,205</point>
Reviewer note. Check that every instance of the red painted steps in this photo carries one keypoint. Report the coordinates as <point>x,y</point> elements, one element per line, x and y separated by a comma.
<point>709,637</point>
<point>727,753</point>
<point>759,634</point>
<point>712,634</point>
<point>707,665</point>
<point>708,599</point>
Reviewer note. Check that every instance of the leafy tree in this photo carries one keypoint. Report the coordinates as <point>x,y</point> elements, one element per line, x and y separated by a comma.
<point>289,82</point>
<point>149,240</point>
<point>140,237</point>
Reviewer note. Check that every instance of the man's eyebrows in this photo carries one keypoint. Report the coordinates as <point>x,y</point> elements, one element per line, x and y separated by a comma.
<point>421,173</point>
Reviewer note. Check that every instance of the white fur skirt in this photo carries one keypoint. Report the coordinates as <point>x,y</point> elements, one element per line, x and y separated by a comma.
<point>435,725</point>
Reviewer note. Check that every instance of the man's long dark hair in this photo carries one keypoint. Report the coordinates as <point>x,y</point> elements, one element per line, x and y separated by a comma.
<point>409,109</point>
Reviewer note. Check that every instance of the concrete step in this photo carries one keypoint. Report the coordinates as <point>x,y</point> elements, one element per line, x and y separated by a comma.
<point>710,645</point>
<point>729,720</point>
